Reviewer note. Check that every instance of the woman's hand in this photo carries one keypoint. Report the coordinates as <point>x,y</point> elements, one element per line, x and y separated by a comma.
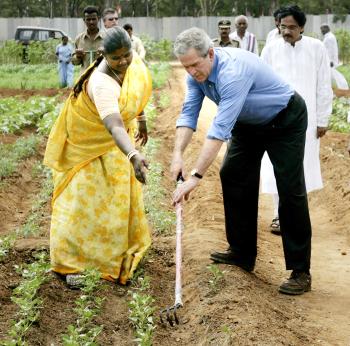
<point>140,165</point>
<point>142,134</point>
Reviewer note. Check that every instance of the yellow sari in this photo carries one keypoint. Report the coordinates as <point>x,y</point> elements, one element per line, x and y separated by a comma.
<point>98,219</point>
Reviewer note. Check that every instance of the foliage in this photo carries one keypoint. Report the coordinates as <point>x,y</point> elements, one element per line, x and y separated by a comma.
<point>141,311</point>
<point>166,8</point>
<point>27,76</point>
<point>5,244</point>
<point>12,154</point>
<point>345,70</point>
<point>46,122</point>
<point>343,38</point>
<point>160,74</point>
<point>157,50</point>
<point>17,114</point>
<point>87,306</point>
<point>164,100</point>
<point>338,119</point>
<point>25,297</point>
<point>217,277</point>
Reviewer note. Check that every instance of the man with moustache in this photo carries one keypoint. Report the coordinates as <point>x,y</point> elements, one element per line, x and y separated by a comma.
<point>303,62</point>
<point>224,40</point>
<point>88,44</point>
<point>257,112</point>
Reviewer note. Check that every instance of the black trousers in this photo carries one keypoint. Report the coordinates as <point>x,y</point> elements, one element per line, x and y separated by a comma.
<point>284,140</point>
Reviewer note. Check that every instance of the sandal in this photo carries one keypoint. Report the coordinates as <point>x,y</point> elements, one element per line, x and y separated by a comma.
<point>275,226</point>
<point>75,281</point>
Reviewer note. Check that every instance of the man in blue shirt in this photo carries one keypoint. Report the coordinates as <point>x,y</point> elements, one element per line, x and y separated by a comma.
<point>257,112</point>
<point>64,53</point>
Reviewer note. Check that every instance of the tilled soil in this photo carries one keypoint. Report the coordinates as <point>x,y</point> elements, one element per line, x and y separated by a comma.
<point>245,309</point>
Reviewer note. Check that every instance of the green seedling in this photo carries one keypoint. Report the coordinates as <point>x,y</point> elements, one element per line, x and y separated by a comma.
<point>141,312</point>
<point>217,277</point>
<point>26,298</point>
<point>87,307</point>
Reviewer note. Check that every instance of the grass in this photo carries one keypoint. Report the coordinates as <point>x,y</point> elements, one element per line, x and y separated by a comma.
<point>12,154</point>
<point>23,76</point>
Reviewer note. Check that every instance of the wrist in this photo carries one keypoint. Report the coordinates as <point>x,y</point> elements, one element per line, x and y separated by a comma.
<point>131,154</point>
<point>196,174</point>
<point>141,118</point>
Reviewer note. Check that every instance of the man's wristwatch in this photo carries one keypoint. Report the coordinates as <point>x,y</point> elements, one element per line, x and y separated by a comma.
<point>194,173</point>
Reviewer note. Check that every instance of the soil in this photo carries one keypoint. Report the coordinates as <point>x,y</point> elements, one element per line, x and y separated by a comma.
<point>246,309</point>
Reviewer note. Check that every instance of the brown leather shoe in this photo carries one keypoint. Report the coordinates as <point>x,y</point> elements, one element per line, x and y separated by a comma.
<point>230,257</point>
<point>298,283</point>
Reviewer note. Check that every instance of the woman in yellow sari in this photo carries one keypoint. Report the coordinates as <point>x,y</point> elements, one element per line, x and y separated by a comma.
<point>98,219</point>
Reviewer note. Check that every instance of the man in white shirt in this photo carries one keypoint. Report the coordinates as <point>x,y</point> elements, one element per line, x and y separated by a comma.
<point>245,38</point>
<point>275,33</point>
<point>136,43</point>
<point>303,62</point>
<point>330,42</point>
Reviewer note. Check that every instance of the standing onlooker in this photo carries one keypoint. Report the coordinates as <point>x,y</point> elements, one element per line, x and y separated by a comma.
<point>275,33</point>
<point>64,53</point>
<point>303,62</point>
<point>110,18</point>
<point>89,43</point>
<point>245,38</point>
<point>135,41</point>
<point>330,42</point>
<point>224,40</point>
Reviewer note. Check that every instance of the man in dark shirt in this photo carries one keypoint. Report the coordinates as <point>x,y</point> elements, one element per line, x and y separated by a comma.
<point>224,32</point>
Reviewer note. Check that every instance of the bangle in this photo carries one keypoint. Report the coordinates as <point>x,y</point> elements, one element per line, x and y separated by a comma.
<point>131,154</point>
<point>141,118</point>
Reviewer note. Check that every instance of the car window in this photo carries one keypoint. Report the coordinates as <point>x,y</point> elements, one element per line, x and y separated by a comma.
<point>25,35</point>
<point>43,35</point>
<point>58,34</point>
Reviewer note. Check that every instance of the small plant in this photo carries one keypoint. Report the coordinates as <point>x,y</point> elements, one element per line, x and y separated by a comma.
<point>338,119</point>
<point>164,100</point>
<point>87,306</point>
<point>5,244</point>
<point>217,277</point>
<point>25,297</point>
<point>141,311</point>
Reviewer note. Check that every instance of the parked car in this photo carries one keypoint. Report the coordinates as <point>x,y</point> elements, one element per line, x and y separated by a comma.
<point>27,34</point>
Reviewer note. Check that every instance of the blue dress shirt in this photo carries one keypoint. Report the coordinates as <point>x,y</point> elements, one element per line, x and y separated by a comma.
<point>244,87</point>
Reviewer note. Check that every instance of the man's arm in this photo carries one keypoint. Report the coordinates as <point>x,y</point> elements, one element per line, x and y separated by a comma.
<point>206,157</point>
<point>78,55</point>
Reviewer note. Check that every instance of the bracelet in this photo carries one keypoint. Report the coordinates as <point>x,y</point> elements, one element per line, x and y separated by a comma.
<point>141,118</point>
<point>131,154</point>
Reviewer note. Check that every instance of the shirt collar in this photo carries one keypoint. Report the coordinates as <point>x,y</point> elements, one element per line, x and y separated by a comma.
<point>98,34</point>
<point>213,73</point>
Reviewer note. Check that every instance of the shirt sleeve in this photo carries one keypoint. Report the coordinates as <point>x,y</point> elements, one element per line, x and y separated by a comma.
<point>192,105</point>
<point>104,92</point>
<point>233,96</point>
<point>256,50</point>
<point>324,96</point>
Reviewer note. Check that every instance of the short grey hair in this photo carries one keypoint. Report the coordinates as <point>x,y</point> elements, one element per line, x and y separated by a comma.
<point>194,38</point>
<point>241,17</point>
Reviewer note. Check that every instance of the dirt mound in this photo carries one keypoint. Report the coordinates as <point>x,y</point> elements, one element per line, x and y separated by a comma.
<point>26,93</point>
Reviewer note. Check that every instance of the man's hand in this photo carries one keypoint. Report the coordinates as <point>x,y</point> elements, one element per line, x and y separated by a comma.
<point>177,166</point>
<point>332,64</point>
<point>321,131</point>
<point>183,190</point>
<point>79,53</point>
<point>100,50</point>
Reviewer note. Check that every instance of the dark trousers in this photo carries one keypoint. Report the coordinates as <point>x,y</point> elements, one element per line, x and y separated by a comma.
<point>284,140</point>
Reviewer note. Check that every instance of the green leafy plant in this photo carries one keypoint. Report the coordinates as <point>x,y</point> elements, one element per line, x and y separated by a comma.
<point>343,38</point>
<point>12,154</point>
<point>217,277</point>
<point>164,100</point>
<point>338,119</point>
<point>160,74</point>
<point>157,50</point>
<point>25,296</point>
<point>141,311</point>
<point>87,306</point>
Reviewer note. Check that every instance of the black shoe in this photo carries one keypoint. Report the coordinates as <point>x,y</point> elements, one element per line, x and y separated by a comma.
<point>229,257</point>
<point>298,283</point>
<point>275,226</point>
